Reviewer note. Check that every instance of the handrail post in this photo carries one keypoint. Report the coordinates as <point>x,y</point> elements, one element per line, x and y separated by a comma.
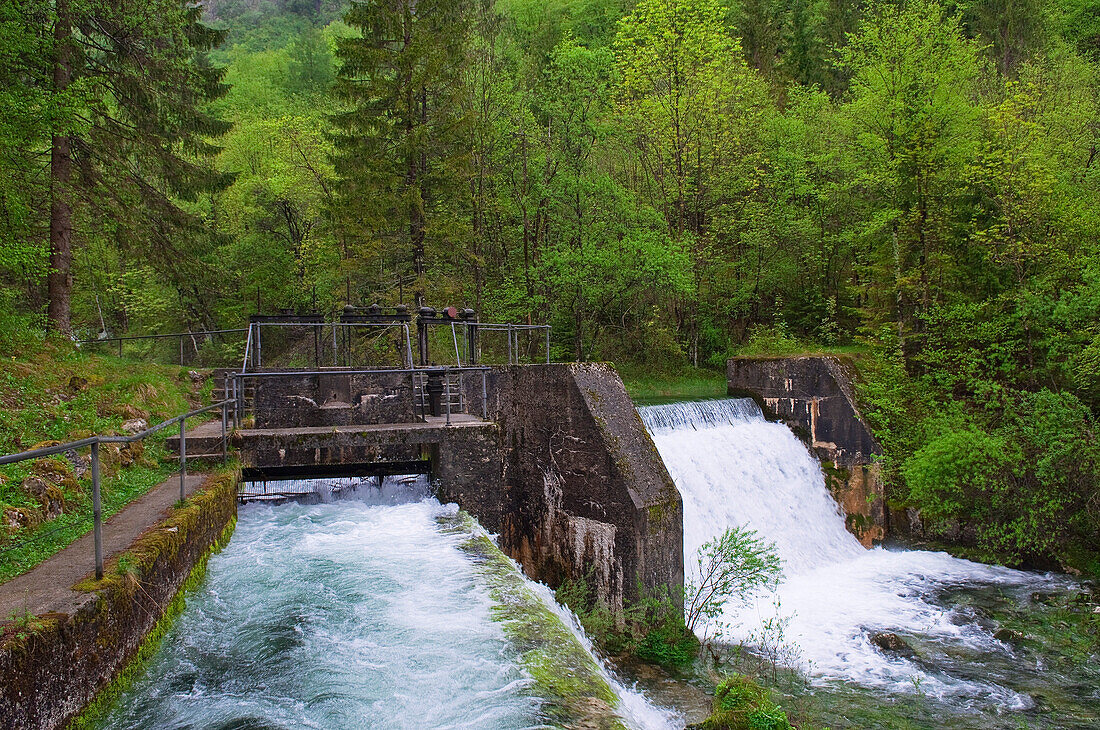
<point>547,344</point>
<point>225,445</point>
<point>97,513</point>
<point>484,398</point>
<point>183,458</point>
<point>509,344</point>
<point>447,384</point>
<point>181,350</point>
<point>408,346</point>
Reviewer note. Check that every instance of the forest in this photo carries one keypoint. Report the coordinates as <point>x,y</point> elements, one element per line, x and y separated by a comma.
<point>668,183</point>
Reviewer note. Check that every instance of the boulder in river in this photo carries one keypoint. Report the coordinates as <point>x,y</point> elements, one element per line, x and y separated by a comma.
<point>1008,636</point>
<point>891,643</point>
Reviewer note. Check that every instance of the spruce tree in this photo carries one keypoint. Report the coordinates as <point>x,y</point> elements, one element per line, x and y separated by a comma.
<point>399,145</point>
<point>130,138</point>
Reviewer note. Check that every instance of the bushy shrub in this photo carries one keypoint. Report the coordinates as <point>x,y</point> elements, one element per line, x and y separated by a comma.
<point>742,704</point>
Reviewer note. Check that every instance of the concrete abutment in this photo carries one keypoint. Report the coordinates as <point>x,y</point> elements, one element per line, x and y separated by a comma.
<point>815,397</point>
<point>560,467</point>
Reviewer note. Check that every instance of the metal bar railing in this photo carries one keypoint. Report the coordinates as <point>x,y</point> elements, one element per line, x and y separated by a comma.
<point>180,336</point>
<point>418,378</point>
<point>253,344</point>
<point>161,337</point>
<point>95,441</point>
<point>512,331</point>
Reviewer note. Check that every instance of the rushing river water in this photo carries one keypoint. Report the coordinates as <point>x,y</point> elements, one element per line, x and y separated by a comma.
<point>733,467</point>
<point>349,614</point>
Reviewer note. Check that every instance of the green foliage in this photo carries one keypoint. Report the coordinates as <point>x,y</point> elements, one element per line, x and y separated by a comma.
<point>652,628</point>
<point>742,704</point>
<point>730,566</point>
<point>668,184</point>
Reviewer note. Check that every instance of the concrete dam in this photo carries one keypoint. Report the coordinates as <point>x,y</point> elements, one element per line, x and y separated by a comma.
<point>552,458</point>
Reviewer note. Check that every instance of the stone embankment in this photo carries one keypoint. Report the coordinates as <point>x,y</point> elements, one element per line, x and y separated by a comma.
<point>58,654</point>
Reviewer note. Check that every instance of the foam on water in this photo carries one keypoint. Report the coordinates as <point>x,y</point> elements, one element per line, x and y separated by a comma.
<point>354,613</point>
<point>732,467</point>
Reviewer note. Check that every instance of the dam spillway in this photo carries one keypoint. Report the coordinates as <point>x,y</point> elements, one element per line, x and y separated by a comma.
<point>733,467</point>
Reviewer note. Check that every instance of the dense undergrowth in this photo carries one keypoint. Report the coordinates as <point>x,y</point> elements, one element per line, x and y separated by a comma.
<point>51,392</point>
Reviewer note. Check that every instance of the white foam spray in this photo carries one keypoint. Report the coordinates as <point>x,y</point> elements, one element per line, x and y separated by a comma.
<point>733,467</point>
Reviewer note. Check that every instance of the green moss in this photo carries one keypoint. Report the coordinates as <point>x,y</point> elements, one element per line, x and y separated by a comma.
<point>742,704</point>
<point>92,716</point>
<point>565,675</point>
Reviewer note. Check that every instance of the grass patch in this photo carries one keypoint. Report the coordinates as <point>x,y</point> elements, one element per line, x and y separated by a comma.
<point>646,386</point>
<point>53,392</point>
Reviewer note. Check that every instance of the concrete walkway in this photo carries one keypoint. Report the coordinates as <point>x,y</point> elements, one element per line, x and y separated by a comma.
<point>46,588</point>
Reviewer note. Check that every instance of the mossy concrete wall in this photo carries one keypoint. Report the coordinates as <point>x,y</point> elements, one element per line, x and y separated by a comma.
<point>815,397</point>
<point>585,494</point>
<point>53,665</point>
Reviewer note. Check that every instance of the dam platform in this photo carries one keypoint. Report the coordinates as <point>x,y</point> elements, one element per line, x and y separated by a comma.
<point>553,458</point>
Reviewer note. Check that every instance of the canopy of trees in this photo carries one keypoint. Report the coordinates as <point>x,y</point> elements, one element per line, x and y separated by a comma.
<point>666,182</point>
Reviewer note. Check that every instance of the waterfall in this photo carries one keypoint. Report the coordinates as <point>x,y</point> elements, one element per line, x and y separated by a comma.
<point>733,467</point>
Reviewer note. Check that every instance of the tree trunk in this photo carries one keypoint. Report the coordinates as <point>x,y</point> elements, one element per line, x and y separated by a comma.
<point>59,281</point>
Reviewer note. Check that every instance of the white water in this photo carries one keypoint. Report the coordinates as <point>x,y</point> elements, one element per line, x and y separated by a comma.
<point>733,467</point>
<point>348,614</point>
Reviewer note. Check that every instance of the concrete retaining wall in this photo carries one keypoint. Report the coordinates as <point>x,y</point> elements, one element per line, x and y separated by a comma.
<point>585,493</point>
<point>815,397</point>
<point>55,665</point>
<point>332,399</point>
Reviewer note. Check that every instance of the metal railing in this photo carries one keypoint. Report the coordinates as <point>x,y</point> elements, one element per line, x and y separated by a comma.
<point>183,337</point>
<point>253,350</point>
<point>513,331</point>
<point>94,441</point>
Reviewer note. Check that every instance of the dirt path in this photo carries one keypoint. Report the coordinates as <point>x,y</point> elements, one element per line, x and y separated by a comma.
<point>47,587</point>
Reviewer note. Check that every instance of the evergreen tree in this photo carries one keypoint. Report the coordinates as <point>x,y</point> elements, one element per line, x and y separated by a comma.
<point>400,151</point>
<point>130,139</point>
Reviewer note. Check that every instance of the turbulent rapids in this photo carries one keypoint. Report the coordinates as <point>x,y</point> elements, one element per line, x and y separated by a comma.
<point>353,613</point>
<point>735,468</point>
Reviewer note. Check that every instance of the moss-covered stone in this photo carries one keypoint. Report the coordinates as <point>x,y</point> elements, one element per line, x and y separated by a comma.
<point>565,675</point>
<point>94,713</point>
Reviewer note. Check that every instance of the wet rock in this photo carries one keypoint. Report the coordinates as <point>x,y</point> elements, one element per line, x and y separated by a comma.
<point>134,425</point>
<point>1008,636</point>
<point>80,463</point>
<point>77,384</point>
<point>1045,599</point>
<point>892,643</point>
<point>916,522</point>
